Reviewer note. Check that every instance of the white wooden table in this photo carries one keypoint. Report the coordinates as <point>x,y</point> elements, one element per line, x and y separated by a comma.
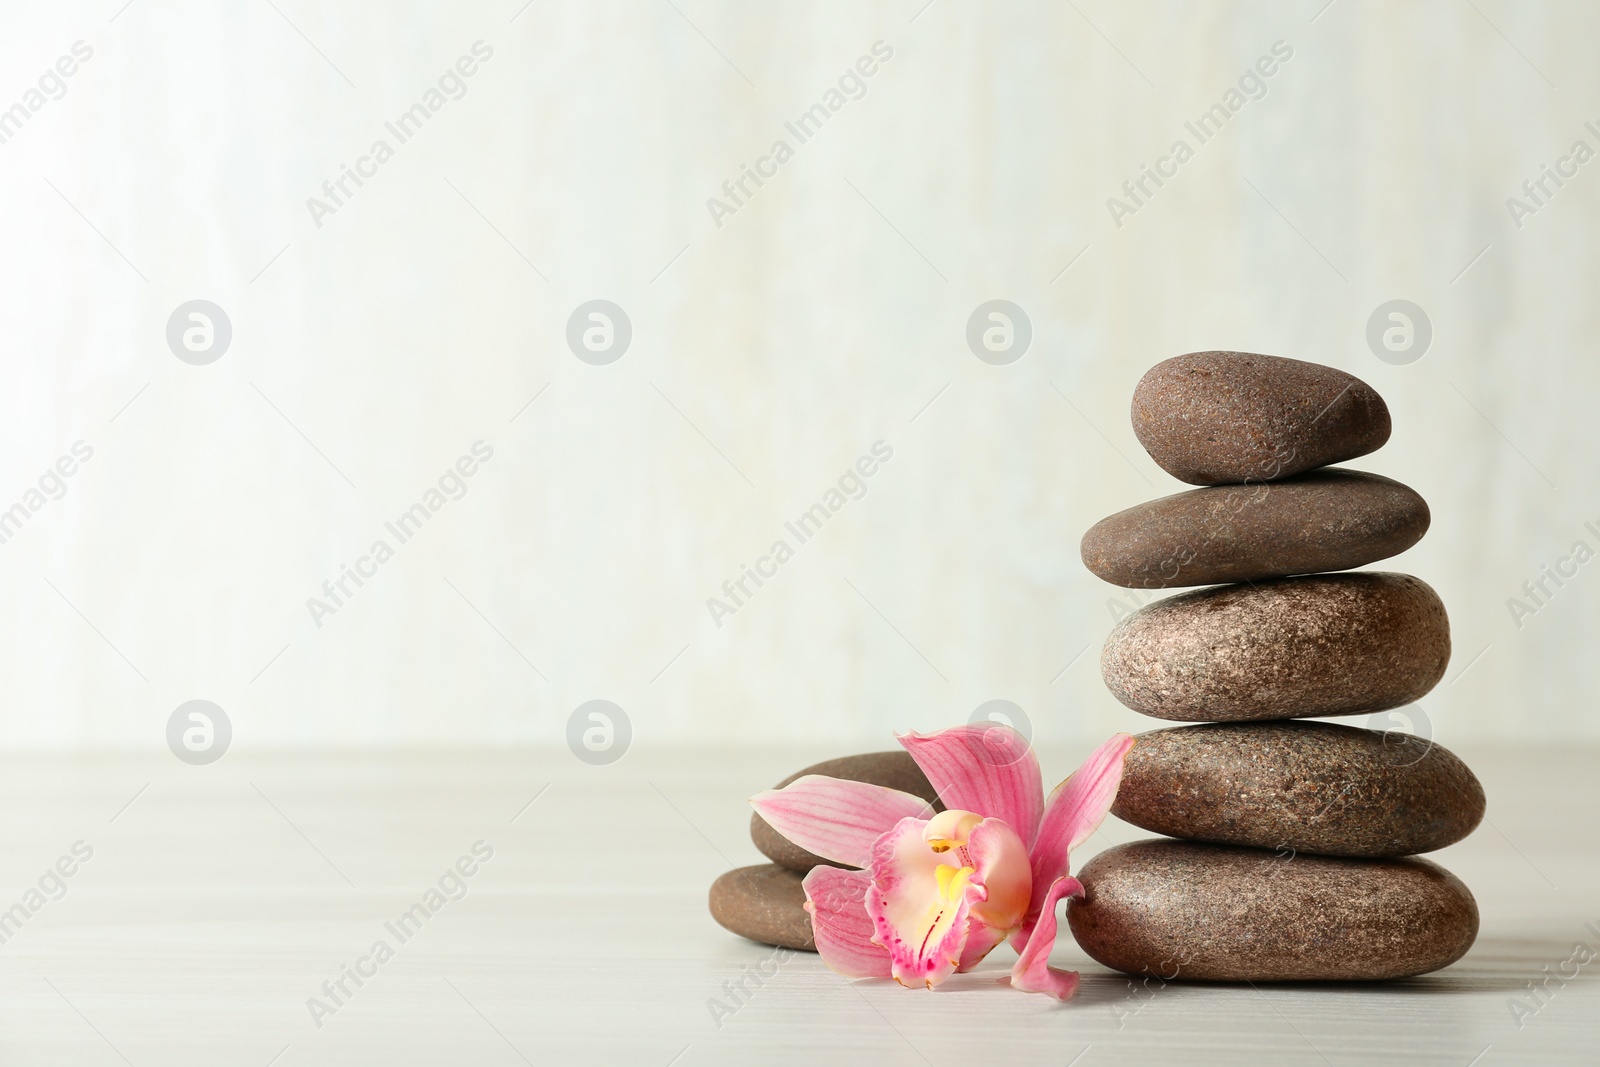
<point>220,899</point>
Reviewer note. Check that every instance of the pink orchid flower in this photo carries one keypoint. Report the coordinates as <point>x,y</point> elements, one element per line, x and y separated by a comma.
<point>939,893</point>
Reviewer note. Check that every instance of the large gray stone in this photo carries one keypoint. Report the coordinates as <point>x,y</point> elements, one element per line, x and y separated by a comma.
<point>1177,910</point>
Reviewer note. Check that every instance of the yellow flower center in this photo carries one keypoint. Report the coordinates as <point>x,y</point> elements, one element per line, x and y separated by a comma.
<point>952,881</point>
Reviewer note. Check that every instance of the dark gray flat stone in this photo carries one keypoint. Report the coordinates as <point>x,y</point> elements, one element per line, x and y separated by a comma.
<point>1326,520</point>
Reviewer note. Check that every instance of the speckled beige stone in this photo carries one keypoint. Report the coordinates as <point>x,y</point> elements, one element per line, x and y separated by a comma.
<point>1326,520</point>
<point>1317,645</point>
<point>764,903</point>
<point>1212,418</point>
<point>1178,910</point>
<point>896,770</point>
<point>1311,786</point>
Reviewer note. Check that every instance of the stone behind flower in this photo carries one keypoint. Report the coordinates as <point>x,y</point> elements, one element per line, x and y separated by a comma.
<point>895,770</point>
<point>764,903</point>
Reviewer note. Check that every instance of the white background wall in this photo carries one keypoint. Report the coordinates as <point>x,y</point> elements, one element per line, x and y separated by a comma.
<point>766,357</point>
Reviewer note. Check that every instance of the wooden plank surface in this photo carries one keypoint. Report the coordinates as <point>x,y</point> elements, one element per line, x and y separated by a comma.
<point>219,899</point>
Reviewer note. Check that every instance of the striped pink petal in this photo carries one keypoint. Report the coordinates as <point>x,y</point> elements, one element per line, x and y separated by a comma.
<point>1032,972</point>
<point>837,901</point>
<point>986,768</point>
<point>836,819</point>
<point>1077,807</point>
<point>982,939</point>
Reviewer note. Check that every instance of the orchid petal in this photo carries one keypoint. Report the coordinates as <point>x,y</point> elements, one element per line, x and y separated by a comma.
<point>1002,868</point>
<point>834,818</point>
<point>1032,972</point>
<point>938,905</point>
<point>1079,804</point>
<point>986,768</point>
<point>840,925</point>
<point>1077,807</point>
<point>982,939</point>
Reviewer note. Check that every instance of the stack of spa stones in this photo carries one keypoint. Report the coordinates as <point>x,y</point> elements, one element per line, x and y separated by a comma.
<point>766,902</point>
<point>1297,839</point>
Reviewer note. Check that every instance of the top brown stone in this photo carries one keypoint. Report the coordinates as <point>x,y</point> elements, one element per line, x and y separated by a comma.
<point>895,770</point>
<point>1214,418</point>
